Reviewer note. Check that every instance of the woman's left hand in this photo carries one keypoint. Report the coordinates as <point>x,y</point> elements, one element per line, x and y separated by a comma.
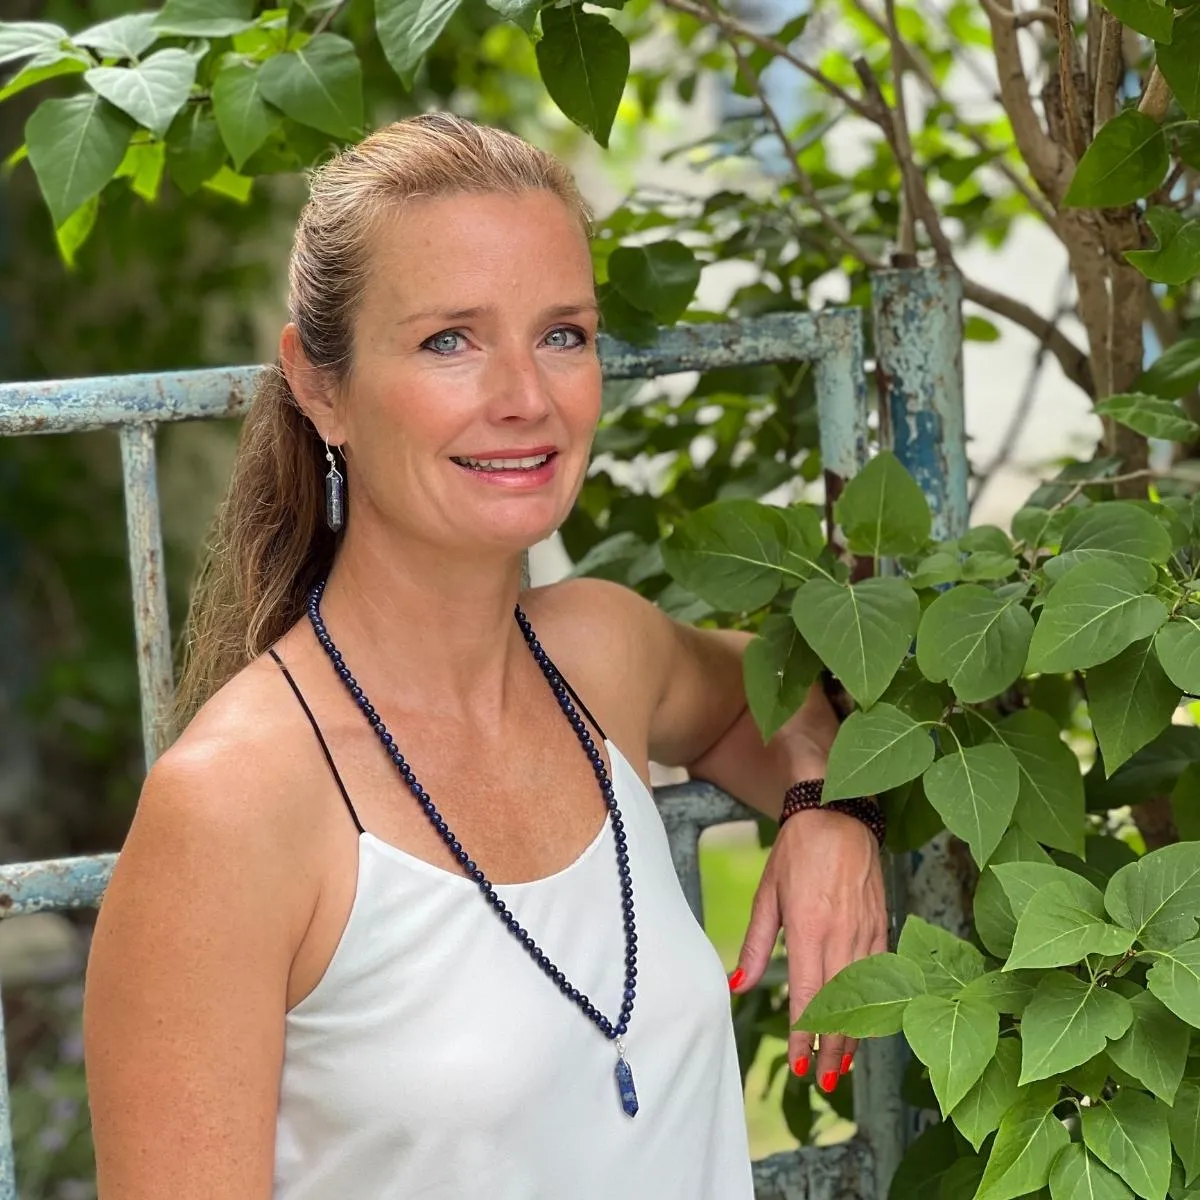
<point>823,885</point>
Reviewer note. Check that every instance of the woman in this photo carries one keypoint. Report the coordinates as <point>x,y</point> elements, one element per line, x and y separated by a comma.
<point>473,971</point>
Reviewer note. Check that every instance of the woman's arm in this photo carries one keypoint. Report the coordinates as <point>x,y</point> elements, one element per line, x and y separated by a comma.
<point>186,986</point>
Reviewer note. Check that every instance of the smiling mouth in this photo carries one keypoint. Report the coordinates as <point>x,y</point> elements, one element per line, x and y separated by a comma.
<point>530,463</point>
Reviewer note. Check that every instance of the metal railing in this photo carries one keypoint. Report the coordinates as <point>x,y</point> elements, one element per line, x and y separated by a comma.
<point>917,332</point>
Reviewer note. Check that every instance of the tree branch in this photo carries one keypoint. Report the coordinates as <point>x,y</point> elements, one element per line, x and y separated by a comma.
<point>803,180</point>
<point>921,69</point>
<point>1156,99</point>
<point>1074,362</point>
<point>1066,79</point>
<point>914,184</point>
<point>734,28</point>
<point>1022,20</point>
<point>1110,64</point>
<point>1043,156</point>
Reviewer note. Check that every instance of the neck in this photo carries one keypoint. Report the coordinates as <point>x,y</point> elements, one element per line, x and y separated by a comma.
<point>433,628</point>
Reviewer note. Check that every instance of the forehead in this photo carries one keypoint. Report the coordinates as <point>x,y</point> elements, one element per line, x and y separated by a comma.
<point>465,249</point>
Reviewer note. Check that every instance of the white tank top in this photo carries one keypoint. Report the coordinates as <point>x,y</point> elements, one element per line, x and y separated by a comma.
<point>435,1061</point>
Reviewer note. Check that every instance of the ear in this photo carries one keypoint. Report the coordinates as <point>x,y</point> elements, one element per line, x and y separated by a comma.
<point>310,385</point>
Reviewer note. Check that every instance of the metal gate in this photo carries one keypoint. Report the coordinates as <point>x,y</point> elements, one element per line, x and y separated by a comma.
<point>917,326</point>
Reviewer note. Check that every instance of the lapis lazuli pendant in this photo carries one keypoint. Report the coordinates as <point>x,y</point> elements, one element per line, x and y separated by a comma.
<point>629,1100</point>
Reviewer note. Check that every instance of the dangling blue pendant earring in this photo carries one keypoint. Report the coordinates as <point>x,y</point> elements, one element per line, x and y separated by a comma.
<point>335,498</point>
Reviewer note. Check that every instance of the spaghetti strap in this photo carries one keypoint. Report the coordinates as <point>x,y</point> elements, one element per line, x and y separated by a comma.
<point>575,696</point>
<point>320,738</point>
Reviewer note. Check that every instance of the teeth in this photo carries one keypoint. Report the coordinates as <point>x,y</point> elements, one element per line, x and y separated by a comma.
<point>504,464</point>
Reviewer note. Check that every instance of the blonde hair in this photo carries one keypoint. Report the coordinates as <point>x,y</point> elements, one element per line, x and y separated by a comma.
<point>270,542</point>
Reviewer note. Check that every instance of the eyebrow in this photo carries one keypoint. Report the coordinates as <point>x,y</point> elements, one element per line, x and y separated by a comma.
<point>466,314</point>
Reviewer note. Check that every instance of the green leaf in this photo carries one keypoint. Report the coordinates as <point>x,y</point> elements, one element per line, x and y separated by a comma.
<point>975,791</point>
<point>1185,804</point>
<point>943,566</point>
<point>1175,372</point>
<point>978,1113</point>
<point>1154,1048</point>
<point>1007,992</point>
<point>865,999</point>
<point>1127,160</point>
<point>1175,980</point>
<point>874,751</point>
<point>883,511</point>
<point>1149,18</point>
<point>927,1161</point>
<point>1118,532</point>
<point>522,13</point>
<point>230,184</point>
<point>1022,880</point>
<point>955,1039</point>
<point>1174,261</point>
<point>912,693</point>
<point>660,277</point>
<point>51,64</point>
<point>733,554</point>
<point>152,92</point>
<point>242,114</point>
<point>76,229</point>
<point>1055,930</point>
<point>862,632</point>
<point>1129,1135</point>
<point>1178,646</point>
<point>1183,1122</point>
<point>947,962</point>
<point>408,29</point>
<point>1154,769</point>
<point>988,565</point>
<point>1050,802</point>
<point>75,145</point>
<point>143,167</point>
<point>1076,1174</point>
<point>974,640</point>
<point>1151,415</point>
<point>194,149</point>
<point>1028,1141</point>
<point>1130,701</point>
<point>23,39</point>
<point>994,919</point>
<point>319,85</point>
<point>1180,62</point>
<point>1091,614</point>
<point>122,37</point>
<point>779,669</point>
<point>1068,1021</point>
<point>1038,527</point>
<point>205,18</point>
<point>1158,897</point>
<point>584,62</point>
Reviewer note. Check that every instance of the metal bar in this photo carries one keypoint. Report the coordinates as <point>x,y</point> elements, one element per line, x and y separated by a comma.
<point>918,339</point>
<point>151,623</point>
<point>8,1170</point>
<point>687,809</point>
<point>841,1172</point>
<point>55,885</point>
<point>841,388</point>
<point>63,406</point>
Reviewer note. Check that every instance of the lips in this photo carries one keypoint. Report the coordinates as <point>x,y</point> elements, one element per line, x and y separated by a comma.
<point>493,463</point>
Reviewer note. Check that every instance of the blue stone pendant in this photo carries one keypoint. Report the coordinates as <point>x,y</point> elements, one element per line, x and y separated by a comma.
<point>629,1100</point>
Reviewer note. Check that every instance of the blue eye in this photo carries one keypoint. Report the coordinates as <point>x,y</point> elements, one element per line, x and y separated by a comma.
<point>445,342</point>
<point>566,337</point>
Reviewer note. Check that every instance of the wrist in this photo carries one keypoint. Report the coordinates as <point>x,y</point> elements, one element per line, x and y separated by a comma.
<point>807,796</point>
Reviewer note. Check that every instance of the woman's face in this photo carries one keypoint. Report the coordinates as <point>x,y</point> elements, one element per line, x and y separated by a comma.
<point>469,411</point>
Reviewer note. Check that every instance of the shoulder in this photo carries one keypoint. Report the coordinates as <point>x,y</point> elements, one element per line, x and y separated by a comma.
<point>235,783</point>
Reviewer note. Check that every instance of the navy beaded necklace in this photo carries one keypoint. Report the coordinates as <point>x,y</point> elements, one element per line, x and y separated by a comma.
<point>563,694</point>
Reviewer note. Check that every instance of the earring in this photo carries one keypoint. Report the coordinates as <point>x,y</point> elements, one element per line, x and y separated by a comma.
<point>335,499</point>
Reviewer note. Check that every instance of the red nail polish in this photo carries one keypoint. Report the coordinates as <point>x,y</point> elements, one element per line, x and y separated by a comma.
<point>737,979</point>
<point>800,1066</point>
<point>846,1060</point>
<point>829,1081</point>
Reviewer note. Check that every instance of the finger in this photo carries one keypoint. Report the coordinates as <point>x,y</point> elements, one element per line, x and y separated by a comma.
<point>848,1050</point>
<point>759,941</point>
<point>805,979</point>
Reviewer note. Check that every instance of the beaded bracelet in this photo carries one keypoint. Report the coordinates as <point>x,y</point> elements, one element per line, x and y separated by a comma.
<point>807,794</point>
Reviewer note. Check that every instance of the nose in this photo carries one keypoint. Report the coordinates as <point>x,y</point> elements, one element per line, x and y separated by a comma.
<point>519,388</point>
